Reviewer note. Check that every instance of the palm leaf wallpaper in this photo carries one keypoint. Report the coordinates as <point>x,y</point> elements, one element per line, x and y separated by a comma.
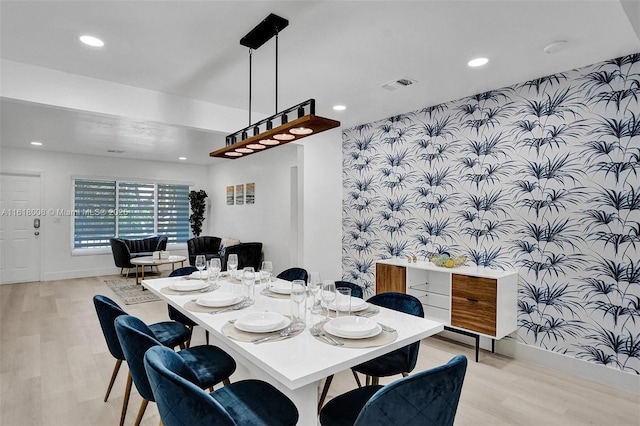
<point>541,177</point>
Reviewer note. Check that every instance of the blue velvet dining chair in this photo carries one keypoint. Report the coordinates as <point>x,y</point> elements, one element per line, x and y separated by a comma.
<point>169,333</point>
<point>401,361</point>
<point>294,274</point>
<point>356,290</point>
<point>180,402</point>
<point>209,365</point>
<point>427,398</point>
<point>175,314</point>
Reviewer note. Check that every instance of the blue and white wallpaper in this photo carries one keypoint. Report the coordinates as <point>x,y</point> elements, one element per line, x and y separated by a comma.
<point>542,177</point>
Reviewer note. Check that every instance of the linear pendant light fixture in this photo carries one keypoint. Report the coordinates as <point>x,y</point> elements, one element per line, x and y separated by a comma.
<point>293,123</point>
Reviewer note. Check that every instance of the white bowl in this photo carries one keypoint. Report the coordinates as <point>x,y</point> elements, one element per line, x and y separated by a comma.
<point>187,285</point>
<point>197,275</point>
<point>260,322</point>
<point>357,305</point>
<point>219,299</point>
<point>353,326</point>
<point>281,286</point>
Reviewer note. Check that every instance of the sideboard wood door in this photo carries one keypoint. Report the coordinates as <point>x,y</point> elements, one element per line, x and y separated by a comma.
<point>390,278</point>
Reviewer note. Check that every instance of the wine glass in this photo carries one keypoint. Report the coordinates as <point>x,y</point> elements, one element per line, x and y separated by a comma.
<point>232,264</point>
<point>298,308</point>
<point>314,286</point>
<point>201,262</point>
<point>328,294</point>
<point>265,271</point>
<point>214,270</point>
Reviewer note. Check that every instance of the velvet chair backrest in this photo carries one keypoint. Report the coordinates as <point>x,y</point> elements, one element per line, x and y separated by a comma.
<point>294,274</point>
<point>121,253</point>
<point>179,401</point>
<point>356,290</point>
<point>428,398</point>
<point>208,246</point>
<point>249,254</point>
<point>136,338</point>
<point>108,311</point>
<point>409,305</point>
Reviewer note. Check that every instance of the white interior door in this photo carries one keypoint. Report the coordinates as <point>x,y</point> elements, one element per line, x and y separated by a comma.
<point>19,228</point>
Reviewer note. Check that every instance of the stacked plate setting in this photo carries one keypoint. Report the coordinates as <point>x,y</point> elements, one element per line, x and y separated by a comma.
<point>219,299</point>
<point>357,305</point>
<point>353,327</point>
<point>262,322</point>
<point>188,285</point>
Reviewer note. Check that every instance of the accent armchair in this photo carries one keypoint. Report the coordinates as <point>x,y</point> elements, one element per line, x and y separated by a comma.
<point>207,246</point>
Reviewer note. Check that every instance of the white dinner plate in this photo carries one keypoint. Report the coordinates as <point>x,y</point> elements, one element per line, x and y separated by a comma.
<point>357,305</point>
<point>262,322</point>
<point>218,299</point>
<point>197,275</point>
<point>353,326</point>
<point>340,333</point>
<point>188,285</point>
<point>281,287</point>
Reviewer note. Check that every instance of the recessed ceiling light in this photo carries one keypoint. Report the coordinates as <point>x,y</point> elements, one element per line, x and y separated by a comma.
<point>477,62</point>
<point>36,143</point>
<point>91,41</point>
<point>339,107</point>
<point>182,158</point>
<point>555,46</point>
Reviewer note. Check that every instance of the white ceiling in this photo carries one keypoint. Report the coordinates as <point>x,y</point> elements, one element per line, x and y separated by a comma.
<point>338,52</point>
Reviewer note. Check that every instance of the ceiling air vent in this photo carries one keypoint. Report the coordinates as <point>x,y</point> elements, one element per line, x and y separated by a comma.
<point>115,151</point>
<point>401,82</point>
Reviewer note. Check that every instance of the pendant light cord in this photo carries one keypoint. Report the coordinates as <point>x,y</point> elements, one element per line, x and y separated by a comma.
<point>276,70</point>
<point>250,57</point>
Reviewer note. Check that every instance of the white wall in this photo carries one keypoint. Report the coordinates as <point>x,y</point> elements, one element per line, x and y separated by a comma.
<point>57,171</point>
<point>297,213</point>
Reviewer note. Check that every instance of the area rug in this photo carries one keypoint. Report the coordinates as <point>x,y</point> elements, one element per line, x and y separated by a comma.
<point>130,292</point>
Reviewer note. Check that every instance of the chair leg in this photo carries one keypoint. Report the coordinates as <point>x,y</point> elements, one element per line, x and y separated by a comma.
<point>226,382</point>
<point>325,389</point>
<point>355,375</point>
<point>405,374</point>
<point>367,380</point>
<point>206,335</point>
<point>116,368</point>
<point>141,411</point>
<point>125,402</point>
<point>375,380</point>
<point>188,344</point>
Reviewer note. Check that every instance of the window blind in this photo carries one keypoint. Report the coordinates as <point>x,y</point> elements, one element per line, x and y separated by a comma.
<point>104,209</point>
<point>173,212</point>
<point>94,221</point>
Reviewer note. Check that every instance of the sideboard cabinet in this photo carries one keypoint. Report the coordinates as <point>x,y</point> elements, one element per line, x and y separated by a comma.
<point>470,300</point>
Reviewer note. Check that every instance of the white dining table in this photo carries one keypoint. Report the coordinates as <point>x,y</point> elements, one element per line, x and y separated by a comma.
<point>296,365</point>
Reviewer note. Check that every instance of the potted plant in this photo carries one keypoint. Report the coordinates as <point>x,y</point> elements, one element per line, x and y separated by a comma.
<point>197,201</point>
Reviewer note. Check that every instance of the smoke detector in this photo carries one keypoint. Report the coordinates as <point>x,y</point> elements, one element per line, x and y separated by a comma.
<point>398,83</point>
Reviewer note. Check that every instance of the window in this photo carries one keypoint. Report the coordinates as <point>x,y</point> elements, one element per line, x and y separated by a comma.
<point>104,209</point>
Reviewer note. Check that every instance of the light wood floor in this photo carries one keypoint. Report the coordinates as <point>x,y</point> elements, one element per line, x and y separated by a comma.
<point>55,366</point>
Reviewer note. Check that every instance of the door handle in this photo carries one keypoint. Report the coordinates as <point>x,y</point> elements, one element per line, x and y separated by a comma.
<point>36,233</point>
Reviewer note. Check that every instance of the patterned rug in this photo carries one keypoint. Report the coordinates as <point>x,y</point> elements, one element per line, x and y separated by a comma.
<point>130,292</point>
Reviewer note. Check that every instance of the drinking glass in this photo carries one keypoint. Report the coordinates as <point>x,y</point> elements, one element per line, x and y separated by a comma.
<point>343,302</point>
<point>298,305</point>
<point>314,286</point>
<point>232,265</point>
<point>265,272</point>
<point>201,262</point>
<point>328,294</point>
<point>248,282</point>
<point>213,271</point>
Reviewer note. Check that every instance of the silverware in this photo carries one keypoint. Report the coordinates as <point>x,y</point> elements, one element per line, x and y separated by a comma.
<point>287,332</point>
<point>317,332</point>
<point>242,305</point>
<point>387,328</point>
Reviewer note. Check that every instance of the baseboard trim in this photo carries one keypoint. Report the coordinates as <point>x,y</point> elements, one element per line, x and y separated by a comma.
<point>617,379</point>
<point>81,273</point>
